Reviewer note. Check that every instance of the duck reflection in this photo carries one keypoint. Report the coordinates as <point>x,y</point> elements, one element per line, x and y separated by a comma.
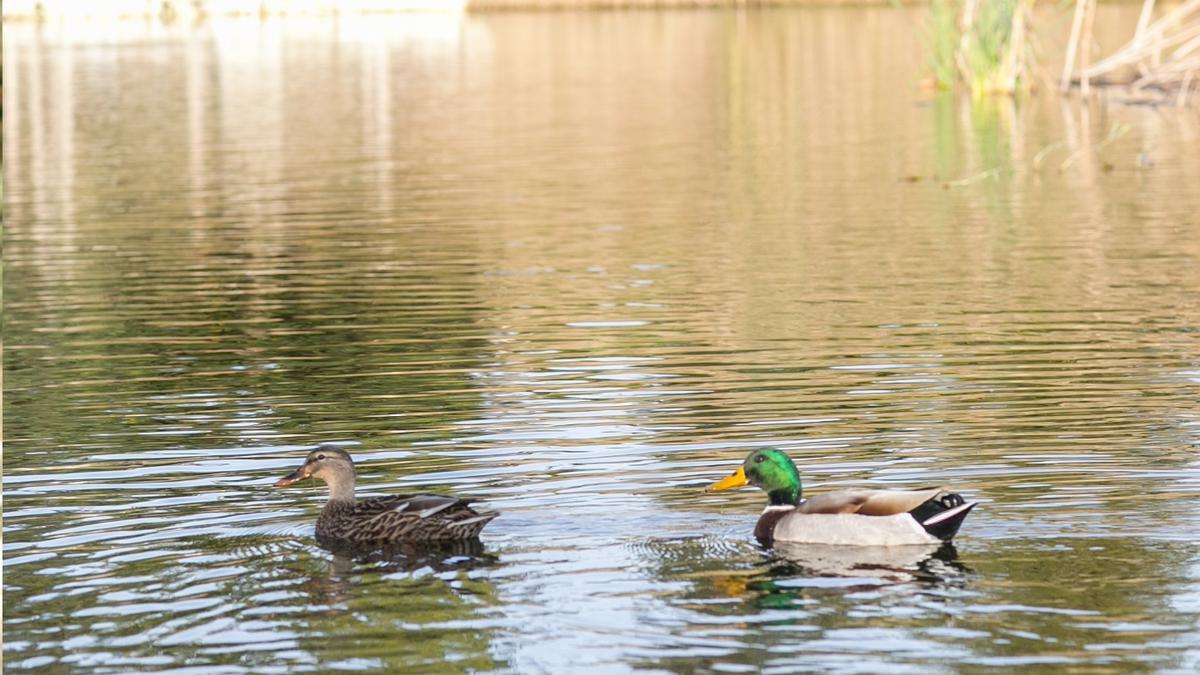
<point>443,556</point>
<point>794,571</point>
<point>895,564</point>
<point>428,596</point>
<point>350,565</point>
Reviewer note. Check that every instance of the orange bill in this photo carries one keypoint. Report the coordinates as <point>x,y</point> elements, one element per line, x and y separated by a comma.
<point>737,479</point>
<point>297,475</point>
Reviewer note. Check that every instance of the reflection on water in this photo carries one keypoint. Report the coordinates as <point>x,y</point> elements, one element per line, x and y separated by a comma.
<point>577,265</point>
<point>399,556</point>
<point>893,563</point>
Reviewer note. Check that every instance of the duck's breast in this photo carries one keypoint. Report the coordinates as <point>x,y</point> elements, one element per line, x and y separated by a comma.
<point>851,529</point>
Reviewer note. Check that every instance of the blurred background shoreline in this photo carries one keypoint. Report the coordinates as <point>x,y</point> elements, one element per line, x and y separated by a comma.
<point>197,9</point>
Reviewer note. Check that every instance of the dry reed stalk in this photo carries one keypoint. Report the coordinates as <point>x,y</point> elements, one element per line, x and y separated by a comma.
<point>1089,20</point>
<point>1024,56</point>
<point>1073,43</point>
<point>1143,21</point>
<point>1131,55</point>
<point>1183,91</point>
<point>1161,54</point>
<point>966,21</point>
<point>1014,58</point>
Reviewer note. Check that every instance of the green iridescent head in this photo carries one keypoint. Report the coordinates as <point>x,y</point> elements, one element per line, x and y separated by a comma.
<point>770,470</point>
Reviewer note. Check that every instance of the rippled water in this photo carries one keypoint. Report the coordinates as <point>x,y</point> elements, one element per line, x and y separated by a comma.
<point>576,266</point>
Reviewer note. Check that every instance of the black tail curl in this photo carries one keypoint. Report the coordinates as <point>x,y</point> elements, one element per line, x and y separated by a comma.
<point>943,515</point>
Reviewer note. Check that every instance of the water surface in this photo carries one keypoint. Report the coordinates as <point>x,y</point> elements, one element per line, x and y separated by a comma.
<point>577,266</point>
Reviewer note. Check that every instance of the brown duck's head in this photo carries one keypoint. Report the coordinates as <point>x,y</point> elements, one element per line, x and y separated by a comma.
<point>326,463</point>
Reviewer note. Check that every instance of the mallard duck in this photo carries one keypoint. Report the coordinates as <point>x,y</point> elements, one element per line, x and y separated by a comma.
<point>382,520</point>
<point>845,517</point>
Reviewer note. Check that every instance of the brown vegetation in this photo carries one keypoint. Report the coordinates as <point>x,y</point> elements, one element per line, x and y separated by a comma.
<point>1160,64</point>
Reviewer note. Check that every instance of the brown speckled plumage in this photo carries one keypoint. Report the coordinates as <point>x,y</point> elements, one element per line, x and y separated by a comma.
<point>383,519</point>
<point>401,517</point>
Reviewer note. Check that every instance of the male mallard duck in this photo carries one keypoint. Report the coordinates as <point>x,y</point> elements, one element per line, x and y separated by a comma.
<point>853,517</point>
<point>382,519</point>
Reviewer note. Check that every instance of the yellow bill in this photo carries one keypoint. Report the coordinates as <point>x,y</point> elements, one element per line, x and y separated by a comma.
<point>738,479</point>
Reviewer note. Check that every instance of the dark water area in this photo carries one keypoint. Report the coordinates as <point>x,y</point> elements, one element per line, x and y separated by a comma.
<point>576,266</point>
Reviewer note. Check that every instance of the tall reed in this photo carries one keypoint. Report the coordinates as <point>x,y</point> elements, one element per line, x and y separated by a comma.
<point>983,45</point>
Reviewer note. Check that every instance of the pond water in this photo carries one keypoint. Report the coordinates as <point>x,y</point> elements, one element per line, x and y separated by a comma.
<point>577,266</point>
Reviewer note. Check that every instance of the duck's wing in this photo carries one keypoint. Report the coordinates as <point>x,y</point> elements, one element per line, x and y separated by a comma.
<point>851,529</point>
<point>410,504</point>
<point>423,517</point>
<point>868,502</point>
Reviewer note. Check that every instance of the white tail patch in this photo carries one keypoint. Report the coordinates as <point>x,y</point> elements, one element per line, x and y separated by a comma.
<point>471,521</point>
<point>948,514</point>
<point>436,509</point>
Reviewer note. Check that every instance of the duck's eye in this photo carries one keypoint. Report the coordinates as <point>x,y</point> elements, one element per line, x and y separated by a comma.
<point>320,457</point>
<point>760,459</point>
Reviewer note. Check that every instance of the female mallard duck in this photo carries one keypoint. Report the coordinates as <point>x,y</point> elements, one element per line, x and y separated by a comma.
<point>851,517</point>
<point>382,519</point>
